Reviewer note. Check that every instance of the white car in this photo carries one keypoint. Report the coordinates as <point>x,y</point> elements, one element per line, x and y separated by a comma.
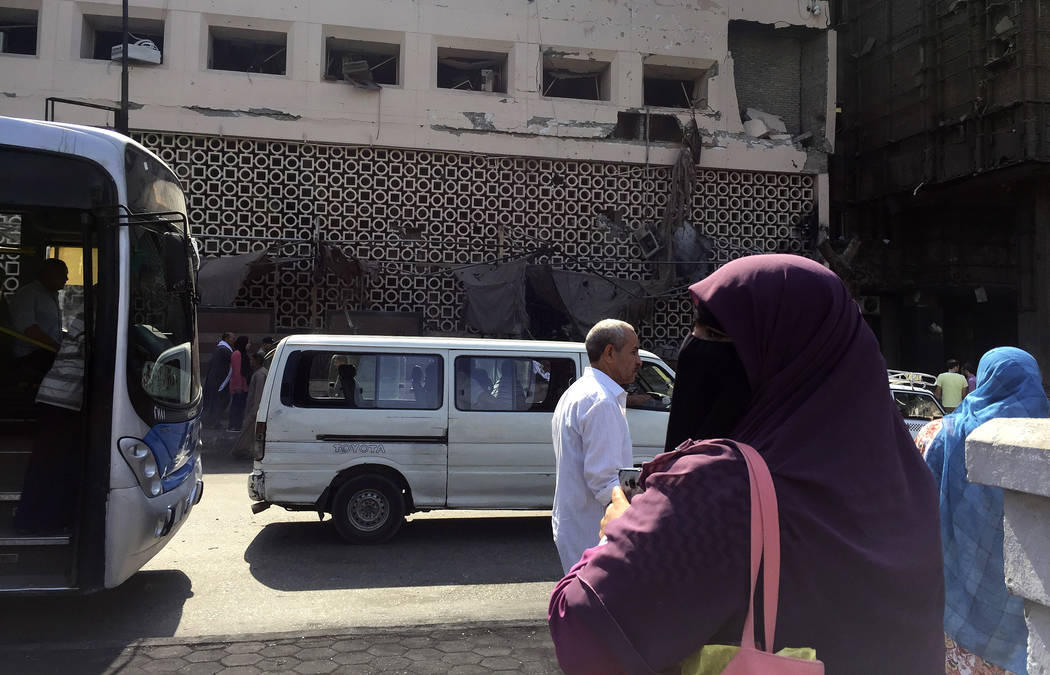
<point>913,394</point>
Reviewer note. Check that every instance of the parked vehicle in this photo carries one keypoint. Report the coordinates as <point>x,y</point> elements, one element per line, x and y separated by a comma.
<point>94,485</point>
<point>372,428</point>
<point>913,393</point>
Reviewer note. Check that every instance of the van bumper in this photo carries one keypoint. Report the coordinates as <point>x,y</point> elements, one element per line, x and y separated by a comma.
<point>257,485</point>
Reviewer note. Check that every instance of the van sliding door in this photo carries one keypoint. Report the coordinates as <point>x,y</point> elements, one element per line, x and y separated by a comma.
<point>500,450</point>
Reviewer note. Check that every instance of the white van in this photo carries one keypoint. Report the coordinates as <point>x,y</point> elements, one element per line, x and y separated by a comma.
<point>371,428</point>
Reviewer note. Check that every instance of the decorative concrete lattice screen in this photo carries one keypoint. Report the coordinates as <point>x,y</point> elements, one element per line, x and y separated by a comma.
<point>414,211</point>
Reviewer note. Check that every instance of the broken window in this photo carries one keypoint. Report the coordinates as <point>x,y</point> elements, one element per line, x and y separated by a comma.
<point>569,76</point>
<point>674,87</point>
<point>471,70</point>
<point>780,73</point>
<point>18,31</point>
<point>102,39</point>
<point>363,64</point>
<point>247,50</point>
<point>640,126</point>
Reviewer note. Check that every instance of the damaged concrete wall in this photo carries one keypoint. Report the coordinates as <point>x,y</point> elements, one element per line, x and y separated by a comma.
<point>183,94</point>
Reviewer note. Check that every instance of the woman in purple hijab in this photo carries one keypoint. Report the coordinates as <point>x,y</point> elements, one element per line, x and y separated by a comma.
<point>861,576</point>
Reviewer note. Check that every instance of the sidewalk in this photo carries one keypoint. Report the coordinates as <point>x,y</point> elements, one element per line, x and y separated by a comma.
<point>513,647</point>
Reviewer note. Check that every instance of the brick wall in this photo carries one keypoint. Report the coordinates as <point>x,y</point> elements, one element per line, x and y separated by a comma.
<point>768,68</point>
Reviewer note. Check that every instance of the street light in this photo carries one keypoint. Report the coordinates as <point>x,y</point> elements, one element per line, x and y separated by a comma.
<point>121,117</point>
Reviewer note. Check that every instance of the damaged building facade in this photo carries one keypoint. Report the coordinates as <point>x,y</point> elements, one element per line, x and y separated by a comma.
<point>943,142</point>
<point>416,159</point>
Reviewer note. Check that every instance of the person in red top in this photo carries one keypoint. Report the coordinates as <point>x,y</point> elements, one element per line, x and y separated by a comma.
<point>240,371</point>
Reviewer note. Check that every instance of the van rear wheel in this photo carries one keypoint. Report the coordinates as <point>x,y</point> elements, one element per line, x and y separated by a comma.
<point>368,509</point>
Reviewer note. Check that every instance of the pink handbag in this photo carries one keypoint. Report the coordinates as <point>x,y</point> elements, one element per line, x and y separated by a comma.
<point>765,544</point>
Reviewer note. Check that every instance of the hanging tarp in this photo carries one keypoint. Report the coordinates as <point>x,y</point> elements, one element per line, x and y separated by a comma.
<point>589,298</point>
<point>220,279</point>
<point>561,304</point>
<point>495,298</point>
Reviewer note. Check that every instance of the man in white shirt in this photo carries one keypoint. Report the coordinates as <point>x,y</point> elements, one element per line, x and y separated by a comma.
<point>591,439</point>
<point>35,314</point>
<point>34,308</point>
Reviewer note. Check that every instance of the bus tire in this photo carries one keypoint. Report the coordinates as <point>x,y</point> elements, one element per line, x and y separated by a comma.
<point>368,509</point>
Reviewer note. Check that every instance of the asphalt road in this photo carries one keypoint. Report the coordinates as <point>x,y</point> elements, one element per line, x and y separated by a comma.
<point>232,572</point>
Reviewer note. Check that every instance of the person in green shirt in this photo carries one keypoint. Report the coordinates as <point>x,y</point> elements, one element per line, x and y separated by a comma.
<point>951,386</point>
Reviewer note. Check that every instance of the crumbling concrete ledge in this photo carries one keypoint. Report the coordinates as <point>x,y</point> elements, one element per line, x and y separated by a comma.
<point>1014,454</point>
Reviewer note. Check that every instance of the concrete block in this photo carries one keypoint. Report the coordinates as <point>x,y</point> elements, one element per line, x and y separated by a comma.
<point>756,128</point>
<point>1026,546</point>
<point>1037,617</point>
<point>772,121</point>
<point>1011,453</point>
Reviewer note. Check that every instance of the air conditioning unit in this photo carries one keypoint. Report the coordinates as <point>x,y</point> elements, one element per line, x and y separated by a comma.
<point>141,51</point>
<point>869,304</point>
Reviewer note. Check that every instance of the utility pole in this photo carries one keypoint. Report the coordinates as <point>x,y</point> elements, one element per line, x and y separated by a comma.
<point>121,118</point>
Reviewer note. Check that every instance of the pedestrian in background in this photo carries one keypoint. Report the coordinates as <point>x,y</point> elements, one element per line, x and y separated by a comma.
<point>984,624</point>
<point>971,377</point>
<point>240,371</point>
<point>242,447</point>
<point>217,382</point>
<point>266,346</point>
<point>950,387</point>
<point>591,439</point>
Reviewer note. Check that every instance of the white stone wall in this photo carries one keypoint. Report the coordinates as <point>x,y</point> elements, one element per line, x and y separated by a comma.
<point>183,95</point>
<point>1014,454</point>
<point>419,177</point>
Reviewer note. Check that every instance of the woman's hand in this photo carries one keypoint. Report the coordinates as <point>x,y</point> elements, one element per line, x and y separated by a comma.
<point>616,507</point>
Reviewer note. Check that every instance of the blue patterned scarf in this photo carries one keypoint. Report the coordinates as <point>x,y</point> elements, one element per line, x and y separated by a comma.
<point>980,614</point>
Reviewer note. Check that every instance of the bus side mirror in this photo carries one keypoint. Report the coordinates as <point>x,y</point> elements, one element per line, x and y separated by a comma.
<point>176,260</point>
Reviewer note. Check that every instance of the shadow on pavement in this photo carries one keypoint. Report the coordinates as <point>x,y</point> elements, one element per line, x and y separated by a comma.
<point>216,453</point>
<point>149,604</point>
<point>425,552</point>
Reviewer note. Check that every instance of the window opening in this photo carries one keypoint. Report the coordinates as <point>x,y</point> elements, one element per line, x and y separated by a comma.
<point>471,70</point>
<point>674,87</point>
<point>575,78</point>
<point>18,29</point>
<point>511,384</point>
<point>102,39</point>
<point>247,51</point>
<point>362,64</point>
<point>630,126</point>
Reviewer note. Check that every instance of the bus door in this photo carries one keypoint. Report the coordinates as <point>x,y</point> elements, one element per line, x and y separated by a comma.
<point>52,310</point>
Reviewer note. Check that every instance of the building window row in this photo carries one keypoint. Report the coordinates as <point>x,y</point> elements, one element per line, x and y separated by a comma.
<point>368,64</point>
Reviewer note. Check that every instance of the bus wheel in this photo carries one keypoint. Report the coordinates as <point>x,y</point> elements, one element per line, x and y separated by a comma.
<point>368,509</point>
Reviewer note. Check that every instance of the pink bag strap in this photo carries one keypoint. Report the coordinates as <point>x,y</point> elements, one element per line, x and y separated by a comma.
<point>765,544</point>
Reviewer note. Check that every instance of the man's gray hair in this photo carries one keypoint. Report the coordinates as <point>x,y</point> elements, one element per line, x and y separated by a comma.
<point>606,332</point>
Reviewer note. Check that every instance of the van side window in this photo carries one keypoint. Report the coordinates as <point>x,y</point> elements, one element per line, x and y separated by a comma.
<point>511,383</point>
<point>346,379</point>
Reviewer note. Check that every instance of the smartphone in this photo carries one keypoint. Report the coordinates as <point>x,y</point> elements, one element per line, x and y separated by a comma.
<point>629,481</point>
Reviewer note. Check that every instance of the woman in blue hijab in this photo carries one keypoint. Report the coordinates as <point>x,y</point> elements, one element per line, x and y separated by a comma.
<point>982,619</point>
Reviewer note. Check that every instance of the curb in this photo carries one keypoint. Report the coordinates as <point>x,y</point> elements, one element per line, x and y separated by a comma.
<point>333,632</point>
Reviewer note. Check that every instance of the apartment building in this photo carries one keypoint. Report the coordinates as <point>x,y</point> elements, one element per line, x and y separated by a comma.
<point>422,136</point>
<point>942,174</point>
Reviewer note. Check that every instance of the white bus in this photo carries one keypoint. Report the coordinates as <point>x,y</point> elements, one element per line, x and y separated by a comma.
<point>100,393</point>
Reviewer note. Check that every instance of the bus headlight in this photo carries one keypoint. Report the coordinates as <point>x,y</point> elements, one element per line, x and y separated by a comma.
<point>144,465</point>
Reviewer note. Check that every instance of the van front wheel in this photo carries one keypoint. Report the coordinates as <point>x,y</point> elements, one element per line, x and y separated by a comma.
<point>368,509</point>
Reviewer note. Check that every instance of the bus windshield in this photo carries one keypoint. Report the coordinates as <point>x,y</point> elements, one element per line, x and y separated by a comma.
<point>162,347</point>
<point>162,350</point>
